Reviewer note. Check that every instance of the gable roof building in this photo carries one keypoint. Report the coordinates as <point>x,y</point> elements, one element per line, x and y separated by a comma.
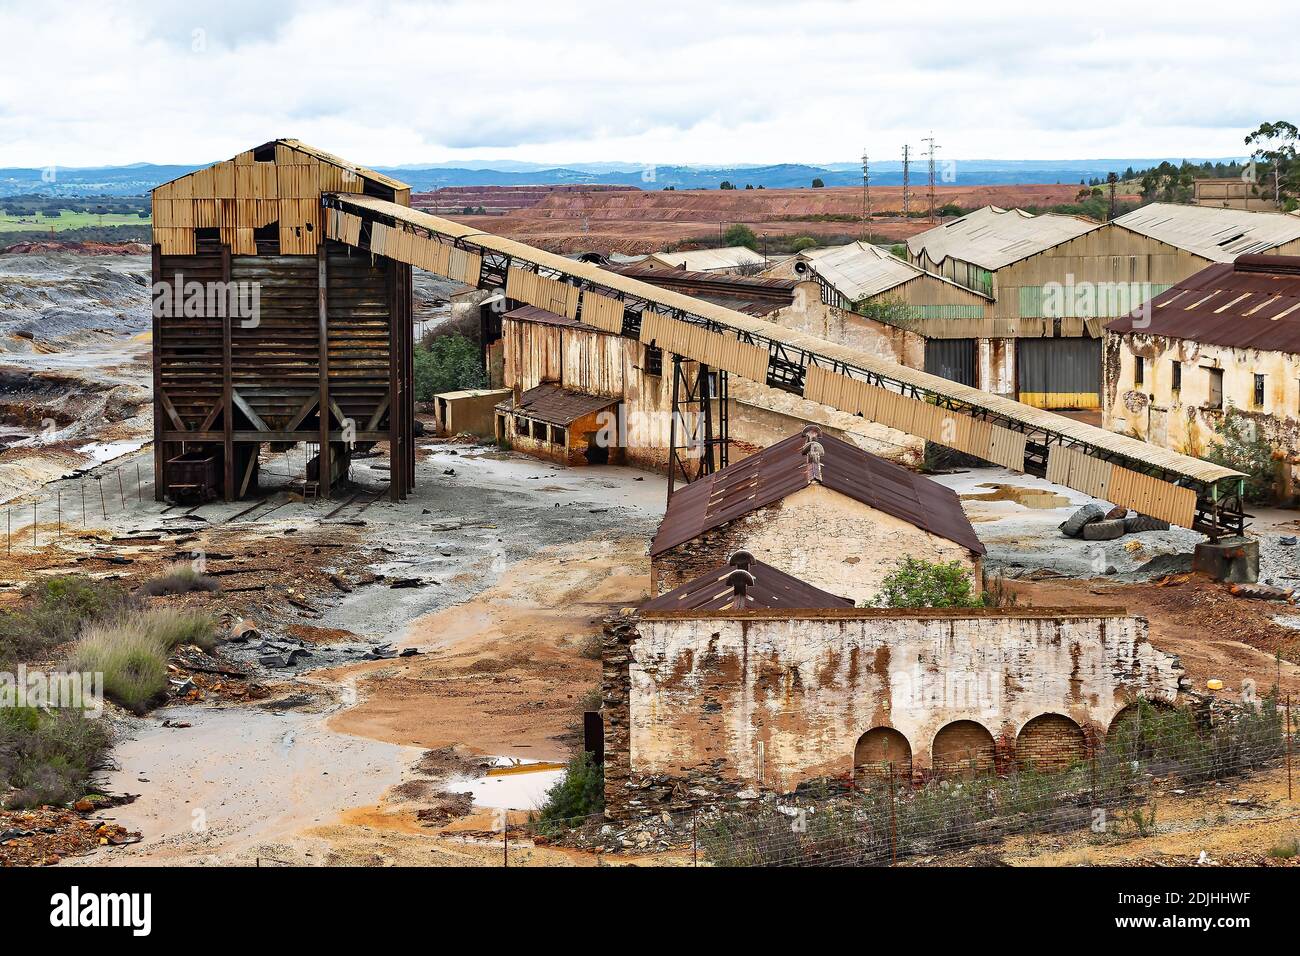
<point>727,259</point>
<point>825,510</point>
<point>744,583</point>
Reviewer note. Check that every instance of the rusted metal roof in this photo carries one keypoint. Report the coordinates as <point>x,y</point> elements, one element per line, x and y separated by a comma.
<point>767,588</point>
<point>753,295</point>
<point>554,405</point>
<point>531,313</point>
<point>783,469</point>
<point>1252,303</point>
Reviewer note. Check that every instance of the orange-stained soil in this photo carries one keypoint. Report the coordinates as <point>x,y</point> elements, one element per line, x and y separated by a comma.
<point>508,672</point>
<point>641,221</point>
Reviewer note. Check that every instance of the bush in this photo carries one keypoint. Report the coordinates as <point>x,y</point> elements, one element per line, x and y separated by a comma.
<point>47,757</point>
<point>740,235</point>
<point>1240,447</point>
<point>448,363</point>
<point>52,611</point>
<point>577,796</point>
<point>918,583</point>
<point>180,578</point>
<point>802,243</point>
<point>131,652</point>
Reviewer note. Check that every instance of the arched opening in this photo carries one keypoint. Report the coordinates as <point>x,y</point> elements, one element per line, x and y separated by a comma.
<point>879,749</point>
<point>962,748</point>
<point>1050,743</point>
<point>1137,731</point>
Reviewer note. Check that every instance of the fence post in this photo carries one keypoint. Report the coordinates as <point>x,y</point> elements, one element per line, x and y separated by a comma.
<point>139,486</point>
<point>505,838</point>
<point>893,819</point>
<point>121,491</point>
<point>58,511</point>
<point>103,505</point>
<point>82,482</point>
<point>1288,747</point>
<point>33,524</point>
<point>695,836</point>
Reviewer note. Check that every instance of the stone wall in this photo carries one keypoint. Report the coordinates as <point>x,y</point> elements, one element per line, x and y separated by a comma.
<point>706,706</point>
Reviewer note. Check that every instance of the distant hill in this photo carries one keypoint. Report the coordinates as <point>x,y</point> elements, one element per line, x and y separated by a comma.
<point>141,177</point>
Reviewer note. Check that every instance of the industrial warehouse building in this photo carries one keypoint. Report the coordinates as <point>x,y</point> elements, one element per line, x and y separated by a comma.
<point>1054,281</point>
<point>877,303</point>
<point>819,508</point>
<point>1224,340</point>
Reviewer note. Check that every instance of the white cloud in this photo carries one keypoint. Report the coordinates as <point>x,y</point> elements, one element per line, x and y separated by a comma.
<point>390,81</point>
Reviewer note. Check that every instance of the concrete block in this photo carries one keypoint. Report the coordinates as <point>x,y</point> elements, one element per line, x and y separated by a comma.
<point>1233,559</point>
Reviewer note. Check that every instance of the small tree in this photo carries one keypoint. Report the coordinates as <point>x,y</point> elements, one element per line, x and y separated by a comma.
<point>449,363</point>
<point>740,235</point>
<point>802,243</point>
<point>1239,446</point>
<point>577,796</point>
<point>887,310</point>
<point>817,183</point>
<point>918,583</point>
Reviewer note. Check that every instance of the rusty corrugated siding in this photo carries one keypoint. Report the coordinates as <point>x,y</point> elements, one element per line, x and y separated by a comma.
<point>1252,303</point>
<point>555,405</point>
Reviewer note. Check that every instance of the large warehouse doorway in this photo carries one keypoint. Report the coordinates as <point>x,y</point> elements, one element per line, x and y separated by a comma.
<point>1059,373</point>
<point>953,359</point>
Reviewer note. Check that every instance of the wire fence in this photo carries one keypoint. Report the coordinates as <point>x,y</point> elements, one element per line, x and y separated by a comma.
<point>883,818</point>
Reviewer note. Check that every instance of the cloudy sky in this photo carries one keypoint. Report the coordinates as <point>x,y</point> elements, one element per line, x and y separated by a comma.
<point>387,82</point>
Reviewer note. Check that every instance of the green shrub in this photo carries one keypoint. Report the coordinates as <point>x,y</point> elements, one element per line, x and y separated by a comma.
<point>740,235</point>
<point>577,796</point>
<point>918,583</point>
<point>47,756</point>
<point>448,363</point>
<point>53,611</point>
<point>1238,445</point>
<point>180,577</point>
<point>131,651</point>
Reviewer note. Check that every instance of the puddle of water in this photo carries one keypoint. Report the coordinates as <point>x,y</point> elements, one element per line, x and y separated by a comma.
<point>511,784</point>
<point>109,450</point>
<point>1029,497</point>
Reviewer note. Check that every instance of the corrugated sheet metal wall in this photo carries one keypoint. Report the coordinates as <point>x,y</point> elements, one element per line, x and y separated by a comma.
<point>1059,373</point>
<point>954,359</point>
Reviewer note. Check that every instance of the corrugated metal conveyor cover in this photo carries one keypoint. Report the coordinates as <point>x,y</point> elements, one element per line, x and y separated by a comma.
<point>1000,445</point>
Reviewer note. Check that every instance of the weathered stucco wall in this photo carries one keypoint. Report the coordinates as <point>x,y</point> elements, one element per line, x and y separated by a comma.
<point>820,536</point>
<point>768,699</point>
<point>1186,420</point>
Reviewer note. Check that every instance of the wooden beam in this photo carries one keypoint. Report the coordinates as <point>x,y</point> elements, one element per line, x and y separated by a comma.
<point>324,403</point>
<point>170,409</point>
<point>158,461</point>
<point>248,472</point>
<point>301,414</point>
<point>227,388</point>
<point>253,418</point>
<point>395,469</point>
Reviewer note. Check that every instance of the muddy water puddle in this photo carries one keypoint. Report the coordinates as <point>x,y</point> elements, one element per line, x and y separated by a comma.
<point>1036,498</point>
<point>511,784</point>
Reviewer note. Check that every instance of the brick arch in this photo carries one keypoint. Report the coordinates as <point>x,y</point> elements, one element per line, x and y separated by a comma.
<point>1122,724</point>
<point>963,748</point>
<point>877,750</point>
<point>1050,743</point>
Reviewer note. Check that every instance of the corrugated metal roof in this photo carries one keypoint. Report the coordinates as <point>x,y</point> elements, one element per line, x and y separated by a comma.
<point>531,313</point>
<point>1219,235</point>
<point>782,469</point>
<point>992,237</point>
<point>707,260</point>
<point>753,295</point>
<point>1251,303</point>
<point>555,405</point>
<point>770,588</point>
<point>860,270</point>
<point>1031,417</point>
